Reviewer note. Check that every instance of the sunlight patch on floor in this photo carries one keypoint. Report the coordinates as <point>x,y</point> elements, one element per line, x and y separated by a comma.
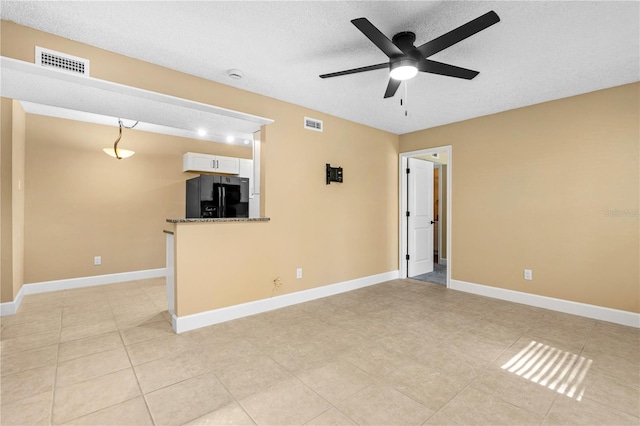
<point>552,368</point>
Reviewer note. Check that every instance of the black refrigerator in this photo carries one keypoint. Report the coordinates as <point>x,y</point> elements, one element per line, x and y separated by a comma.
<point>211,196</point>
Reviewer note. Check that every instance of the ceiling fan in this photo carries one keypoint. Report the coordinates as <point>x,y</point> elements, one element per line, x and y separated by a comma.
<point>405,60</point>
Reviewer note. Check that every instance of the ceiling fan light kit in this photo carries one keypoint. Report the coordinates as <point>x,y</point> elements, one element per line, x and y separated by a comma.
<point>404,69</point>
<point>405,59</point>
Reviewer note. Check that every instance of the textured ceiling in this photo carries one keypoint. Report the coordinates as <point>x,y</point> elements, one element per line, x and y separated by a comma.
<point>540,50</point>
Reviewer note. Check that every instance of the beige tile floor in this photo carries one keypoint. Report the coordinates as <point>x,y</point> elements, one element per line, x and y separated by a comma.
<point>401,352</point>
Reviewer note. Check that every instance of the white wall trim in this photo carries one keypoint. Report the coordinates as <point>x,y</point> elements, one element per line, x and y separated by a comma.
<point>630,319</point>
<point>10,308</point>
<point>204,319</point>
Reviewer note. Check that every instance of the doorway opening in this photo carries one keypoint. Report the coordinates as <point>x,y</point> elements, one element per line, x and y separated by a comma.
<point>425,212</point>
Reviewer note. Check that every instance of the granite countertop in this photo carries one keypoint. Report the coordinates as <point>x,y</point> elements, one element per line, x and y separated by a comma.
<point>221,219</point>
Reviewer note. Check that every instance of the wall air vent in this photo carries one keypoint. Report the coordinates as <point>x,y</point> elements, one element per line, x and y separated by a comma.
<point>313,124</point>
<point>61,61</point>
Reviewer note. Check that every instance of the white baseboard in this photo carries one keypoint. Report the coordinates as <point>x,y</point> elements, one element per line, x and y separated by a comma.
<point>617,316</point>
<point>442,261</point>
<point>10,308</point>
<point>216,316</point>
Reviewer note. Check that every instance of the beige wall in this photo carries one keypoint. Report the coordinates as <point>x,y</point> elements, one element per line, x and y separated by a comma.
<point>335,233</point>
<point>532,188</point>
<point>82,203</point>
<point>12,168</point>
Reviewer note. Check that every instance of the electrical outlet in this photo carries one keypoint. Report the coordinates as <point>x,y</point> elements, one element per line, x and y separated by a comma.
<point>299,273</point>
<point>97,260</point>
<point>528,274</point>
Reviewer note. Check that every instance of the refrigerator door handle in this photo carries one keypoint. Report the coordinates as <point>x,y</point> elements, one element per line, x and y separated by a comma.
<point>224,202</point>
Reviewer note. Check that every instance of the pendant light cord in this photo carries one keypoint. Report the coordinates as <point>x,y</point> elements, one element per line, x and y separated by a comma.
<point>115,144</point>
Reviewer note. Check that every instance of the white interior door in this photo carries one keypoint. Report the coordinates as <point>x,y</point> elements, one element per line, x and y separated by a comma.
<point>420,219</point>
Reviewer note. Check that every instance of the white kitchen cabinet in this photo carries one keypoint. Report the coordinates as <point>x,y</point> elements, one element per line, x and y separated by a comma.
<point>246,168</point>
<point>227,165</point>
<point>195,162</point>
<point>246,171</point>
<point>256,165</point>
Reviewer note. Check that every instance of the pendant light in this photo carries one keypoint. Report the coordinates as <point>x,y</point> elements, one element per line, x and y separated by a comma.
<point>115,151</point>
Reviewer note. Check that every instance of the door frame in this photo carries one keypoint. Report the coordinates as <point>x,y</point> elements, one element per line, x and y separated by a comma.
<point>439,248</point>
<point>403,206</point>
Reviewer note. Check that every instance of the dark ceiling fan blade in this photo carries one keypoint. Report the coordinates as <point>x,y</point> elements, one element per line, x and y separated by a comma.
<point>356,70</point>
<point>454,36</point>
<point>392,88</point>
<point>377,38</point>
<point>433,67</point>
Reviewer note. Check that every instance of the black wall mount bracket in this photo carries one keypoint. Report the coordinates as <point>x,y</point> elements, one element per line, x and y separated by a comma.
<point>334,174</point>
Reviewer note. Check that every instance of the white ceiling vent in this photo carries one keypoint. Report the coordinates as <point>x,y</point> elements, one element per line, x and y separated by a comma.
<point>61,61</point>
<point>313,124</point>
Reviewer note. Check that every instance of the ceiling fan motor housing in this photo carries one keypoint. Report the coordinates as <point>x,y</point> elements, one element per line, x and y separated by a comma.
<point>404,41</point>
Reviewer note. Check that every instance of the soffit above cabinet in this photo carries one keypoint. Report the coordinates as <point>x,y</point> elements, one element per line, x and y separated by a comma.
<point>60,94</point>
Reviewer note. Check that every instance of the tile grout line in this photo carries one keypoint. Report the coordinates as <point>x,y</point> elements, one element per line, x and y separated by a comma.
<point>133,370</point>
<point>469,385</point>
<point>103,408</point>
<point>234,398</point>
<point>293,375</point>
<point>553,402</point>
<point>55,374</point>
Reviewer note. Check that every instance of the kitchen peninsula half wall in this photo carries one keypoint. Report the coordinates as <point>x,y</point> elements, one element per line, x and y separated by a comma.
<point>221,269</point>
<point>215,263</point>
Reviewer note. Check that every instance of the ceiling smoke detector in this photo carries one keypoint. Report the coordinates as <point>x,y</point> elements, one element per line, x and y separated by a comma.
<point>235,74</point>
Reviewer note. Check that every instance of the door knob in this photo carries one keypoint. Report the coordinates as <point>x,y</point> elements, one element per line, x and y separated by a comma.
<point>432,222</point>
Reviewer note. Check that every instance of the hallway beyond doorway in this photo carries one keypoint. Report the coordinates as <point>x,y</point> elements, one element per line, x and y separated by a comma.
<point>438,276</point>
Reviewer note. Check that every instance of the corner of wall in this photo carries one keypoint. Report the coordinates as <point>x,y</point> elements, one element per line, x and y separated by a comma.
<point>6,213</point>
<point>12,150</point>
<point>17,194</point>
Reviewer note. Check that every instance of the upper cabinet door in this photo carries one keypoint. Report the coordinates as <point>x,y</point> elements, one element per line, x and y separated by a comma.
<point>194,162</point>
<point>228,165</point>
<point>246,168</point>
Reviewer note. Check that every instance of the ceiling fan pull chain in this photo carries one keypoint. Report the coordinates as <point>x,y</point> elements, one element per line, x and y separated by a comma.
<point>406,108</point>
